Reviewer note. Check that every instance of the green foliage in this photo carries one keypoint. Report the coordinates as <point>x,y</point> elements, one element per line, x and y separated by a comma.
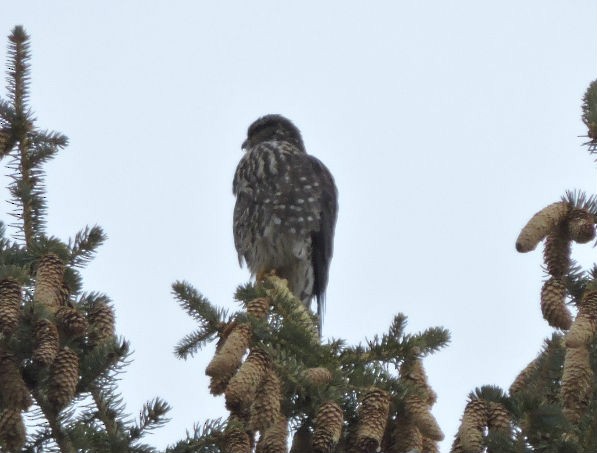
<point>589,114</point>
<point>209,318</point>
<point>95,420</point>
<point>289,336</point>
<point>206,438</point>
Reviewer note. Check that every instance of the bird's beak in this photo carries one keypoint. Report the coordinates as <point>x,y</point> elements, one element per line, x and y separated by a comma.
<point>245,145</point>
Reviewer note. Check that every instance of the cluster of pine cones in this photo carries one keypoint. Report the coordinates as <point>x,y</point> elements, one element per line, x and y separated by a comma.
<point>480,415</point>
<point>560,224</point>
<point>55,324</point>
<point>253,393</point>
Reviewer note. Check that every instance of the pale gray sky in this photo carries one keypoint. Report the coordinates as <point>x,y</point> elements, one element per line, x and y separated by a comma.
<point>446,125</point>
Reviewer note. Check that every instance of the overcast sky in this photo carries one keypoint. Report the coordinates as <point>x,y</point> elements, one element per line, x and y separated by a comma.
<point>446,124</point>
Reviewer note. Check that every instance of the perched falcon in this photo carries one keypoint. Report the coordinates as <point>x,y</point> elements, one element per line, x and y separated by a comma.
<point>286,208</point>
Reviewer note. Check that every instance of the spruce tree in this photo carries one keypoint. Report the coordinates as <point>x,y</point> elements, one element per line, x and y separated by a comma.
<point>551,406</point>
<point>59,353</point>
<point>281,384</point>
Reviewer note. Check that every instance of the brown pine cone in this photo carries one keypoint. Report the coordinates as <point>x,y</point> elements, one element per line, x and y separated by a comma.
<point>418,410</point>
<point>12,430</point>
<point>228,357</point>
<point>101,323</point>
<point>553,304</point>
<point>46,342</point>
<point>236,441</point>
<point>430,446</point>
<point>373,416</point>
<point>413,372</point>
<point>71,322</point>
<point>241,389</point>
<point>274,439</point>
<point>540,225</point>
<point>577,382</point>
<point>64,376</point>
<point>328,427</point>
<point>523,377</point>
<point>10,305</point>
<point>498,417</point>
<point>14,393</point>
<point>48,281</point>
<point>581,226</point>
<point>318,376</point>
<point>556,253</point>
<point>259,307</point>
<point>266,410</point>
<point>473,423</point>
<point>406,437</point>
<point>584,326</point>
<point>457,445</point>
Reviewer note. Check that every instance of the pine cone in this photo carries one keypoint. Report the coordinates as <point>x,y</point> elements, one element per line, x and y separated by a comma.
<point>540,225</point>
<point>48,281</point>
<point>318,376</point>
<point>498,418</point>
<point>14,393</point>
<point>10,305</point>
<point>302,441</point>
<point>556,253</point>
<point>236,441</point>
<point>523,377</point>
<point>64,376</point>
<point>430,446</point>
<point>46,342</point>
<point>577,381</point>
<point>328,427</point>
<point>406,436</point>
<point>413,372</point>
<point>259,307</point>
<point>373,416</point>
<point>73,323</point>
<point>217,386</point>
<point>457,445</point>
<point>274,439</point>
<point>584,326</point>
<point>229,356</point>
<point>243,385</point>
<point>101,323</point>
<point>266,410</point>
<point>12,430</point>
<point>553,304</point>
<point>581,226</point>
<point>473,423</point>
<point>418,410</point>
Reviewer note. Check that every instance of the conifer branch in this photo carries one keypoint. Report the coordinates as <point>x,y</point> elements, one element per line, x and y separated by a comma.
<point>193,342</point>
<point>58,433</point>
<point>18,73</point>
<point>152,416</point>
<point>82,248</point>
<point>211,319</point>
<point>206,438</point>
<point>107,409</point>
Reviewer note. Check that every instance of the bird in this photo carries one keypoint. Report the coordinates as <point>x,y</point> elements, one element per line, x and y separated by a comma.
<point>286,209</point>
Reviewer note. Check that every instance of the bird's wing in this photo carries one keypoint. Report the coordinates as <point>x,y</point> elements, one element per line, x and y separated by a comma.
<point>323,238</point>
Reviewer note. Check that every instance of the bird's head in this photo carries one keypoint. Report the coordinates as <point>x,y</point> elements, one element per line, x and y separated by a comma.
<point>273,127</point>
